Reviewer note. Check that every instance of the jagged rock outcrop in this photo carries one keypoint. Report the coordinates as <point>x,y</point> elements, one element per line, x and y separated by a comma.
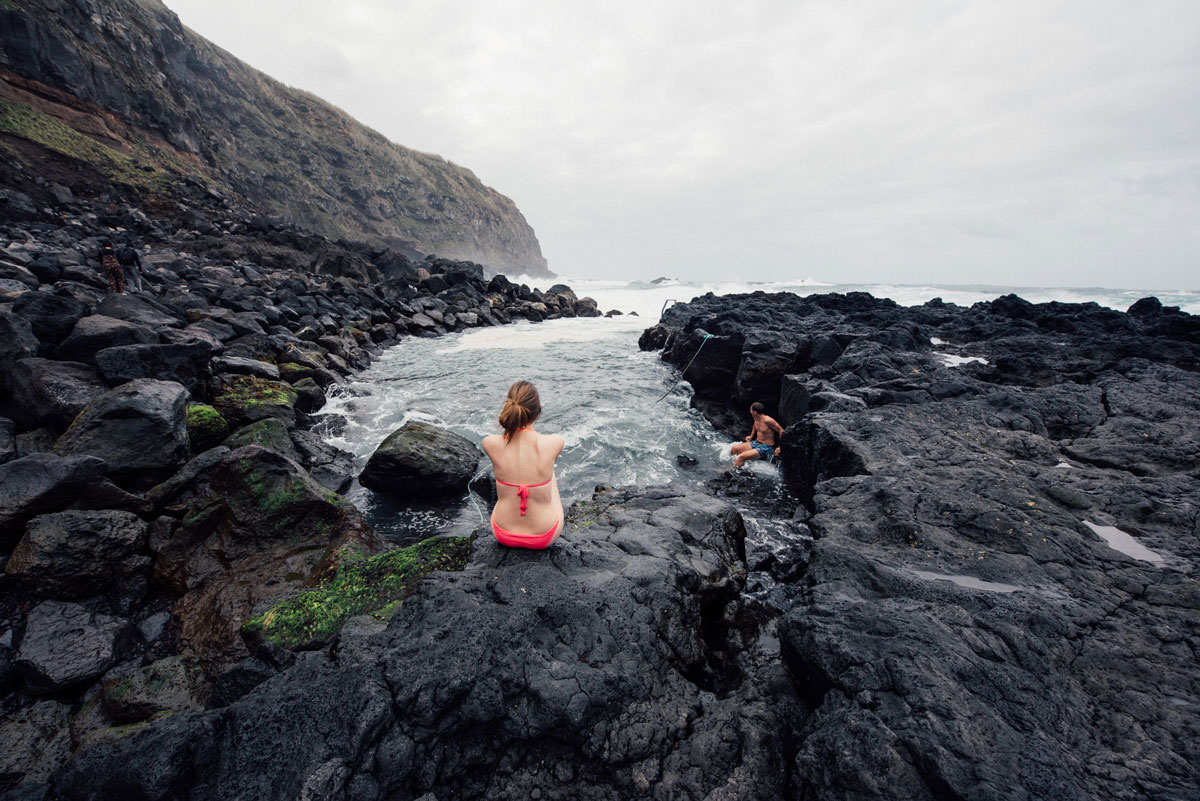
<point>1000,599</point>
<point>122,601</point>
<point>610,666</point>
<point>101,93</point>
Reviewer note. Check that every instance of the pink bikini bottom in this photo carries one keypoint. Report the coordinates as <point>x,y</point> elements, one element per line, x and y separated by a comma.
<point>515,539</point>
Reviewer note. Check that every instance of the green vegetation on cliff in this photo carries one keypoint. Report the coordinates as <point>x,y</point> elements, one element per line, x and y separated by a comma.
<point>55,135</point>
<point>177,107</point>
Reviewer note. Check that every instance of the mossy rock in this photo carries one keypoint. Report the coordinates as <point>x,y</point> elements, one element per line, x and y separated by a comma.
<point>421,460</point>
<point>292,372</point>
<point>376,585</point>
<point>206,427</point>
<point>135,169</point>
<point>271,434</point>
<point>248,399</point>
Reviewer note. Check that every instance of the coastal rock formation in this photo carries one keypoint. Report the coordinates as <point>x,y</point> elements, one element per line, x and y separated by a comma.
<point>143,521</point>
<point>1001,595</point>
<point>607,667</point>
<point>420,460</point>
<point>97,95</point>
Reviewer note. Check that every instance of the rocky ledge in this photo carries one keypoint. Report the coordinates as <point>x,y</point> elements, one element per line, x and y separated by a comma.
<point>610,666</point>
<point>159,486</point>
<point>1001,599</point>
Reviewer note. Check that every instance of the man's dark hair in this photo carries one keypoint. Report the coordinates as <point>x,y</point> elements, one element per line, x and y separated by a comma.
<point>756,407</point>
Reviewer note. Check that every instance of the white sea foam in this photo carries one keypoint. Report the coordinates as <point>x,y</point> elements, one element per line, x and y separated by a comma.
<point>950,360</point>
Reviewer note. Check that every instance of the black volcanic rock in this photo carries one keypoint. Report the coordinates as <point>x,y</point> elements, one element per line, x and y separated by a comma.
<point>52,392</point>
<point>962,627</point>
<point>42,482</point>
<point>185,363</point>
<point>256,527</point>
<point>51,316</point>
<point>65,645</point>
<point>609,666</point>
<point>139,428</point>
<point>421,460</point>
<point>76,554</point>
<point>97,332</point>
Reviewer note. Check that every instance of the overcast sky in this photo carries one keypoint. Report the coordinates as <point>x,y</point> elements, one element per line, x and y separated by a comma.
<point>1022,142</point>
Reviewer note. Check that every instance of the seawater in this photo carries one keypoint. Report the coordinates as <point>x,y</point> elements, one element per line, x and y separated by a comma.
<point>598,390</point>
<point>603,395</point>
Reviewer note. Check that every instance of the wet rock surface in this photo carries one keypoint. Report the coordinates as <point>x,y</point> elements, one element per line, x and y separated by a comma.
<point>609,666</point>
<point>139,428</point>
<point>419,460</point>
<point>970,622</point>
<point>76,554</point>
<point>65,644</point>
<point>155,451</point>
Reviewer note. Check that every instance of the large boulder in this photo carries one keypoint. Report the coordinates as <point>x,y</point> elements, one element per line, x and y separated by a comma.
<point>17,342</point>
<point>140,310</point>
<point>50,315</point>
<point>66,645</point>
<point>259,528</point>
<point>140,428</point>
<point>39,483</point>
<point>270,433</point>
<point>97,332</point>
<point>34,742</point>
<point>75,554</point>
<point>186,363</point>
<point>51,393</point>
<point>332,467</point>
<point>420,460</point>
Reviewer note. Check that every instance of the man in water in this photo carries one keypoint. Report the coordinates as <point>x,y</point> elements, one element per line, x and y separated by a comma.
<point>763,442</point>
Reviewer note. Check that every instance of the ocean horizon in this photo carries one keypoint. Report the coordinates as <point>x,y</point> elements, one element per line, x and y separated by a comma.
<point>648,297</point>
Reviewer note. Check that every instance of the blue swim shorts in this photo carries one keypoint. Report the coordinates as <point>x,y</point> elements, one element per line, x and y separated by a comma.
<point>764,451</point>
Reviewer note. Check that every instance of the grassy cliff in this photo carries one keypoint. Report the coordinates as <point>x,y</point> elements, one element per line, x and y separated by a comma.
<point>125,93</point>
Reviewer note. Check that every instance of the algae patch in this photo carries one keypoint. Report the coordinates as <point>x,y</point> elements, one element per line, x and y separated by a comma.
<point>362,585</point>
<point>205,427</point>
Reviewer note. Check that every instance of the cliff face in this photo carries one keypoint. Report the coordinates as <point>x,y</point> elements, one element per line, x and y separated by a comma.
<point>121,92</point>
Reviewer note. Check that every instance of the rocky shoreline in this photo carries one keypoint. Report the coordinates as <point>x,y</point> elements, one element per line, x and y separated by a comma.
<point>159,485</point>
<point>1001,599</point>
<point>190,610</point>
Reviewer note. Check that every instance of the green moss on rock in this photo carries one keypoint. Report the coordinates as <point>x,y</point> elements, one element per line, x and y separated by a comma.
<point>248,399</point>
<point>269,433</point>
<point>250,391</point>
<point>292,372</point>
<point>377,585</point>
<point>205,427</point>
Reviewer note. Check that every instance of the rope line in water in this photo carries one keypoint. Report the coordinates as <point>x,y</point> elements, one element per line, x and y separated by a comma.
<point>689,364</point>
<point>471,492</point>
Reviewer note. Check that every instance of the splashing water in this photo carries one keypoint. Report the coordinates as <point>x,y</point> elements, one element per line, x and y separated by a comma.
<point>598,391</point>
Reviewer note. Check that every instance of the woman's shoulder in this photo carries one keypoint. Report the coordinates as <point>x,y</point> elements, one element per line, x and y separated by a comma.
<point>552,442</point>
<point>491,441</point>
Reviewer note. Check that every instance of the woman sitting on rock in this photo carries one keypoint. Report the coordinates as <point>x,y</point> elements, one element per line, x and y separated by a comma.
<point>528,511</point>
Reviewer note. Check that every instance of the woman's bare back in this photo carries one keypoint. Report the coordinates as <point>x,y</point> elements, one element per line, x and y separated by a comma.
<point>527,459</point>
